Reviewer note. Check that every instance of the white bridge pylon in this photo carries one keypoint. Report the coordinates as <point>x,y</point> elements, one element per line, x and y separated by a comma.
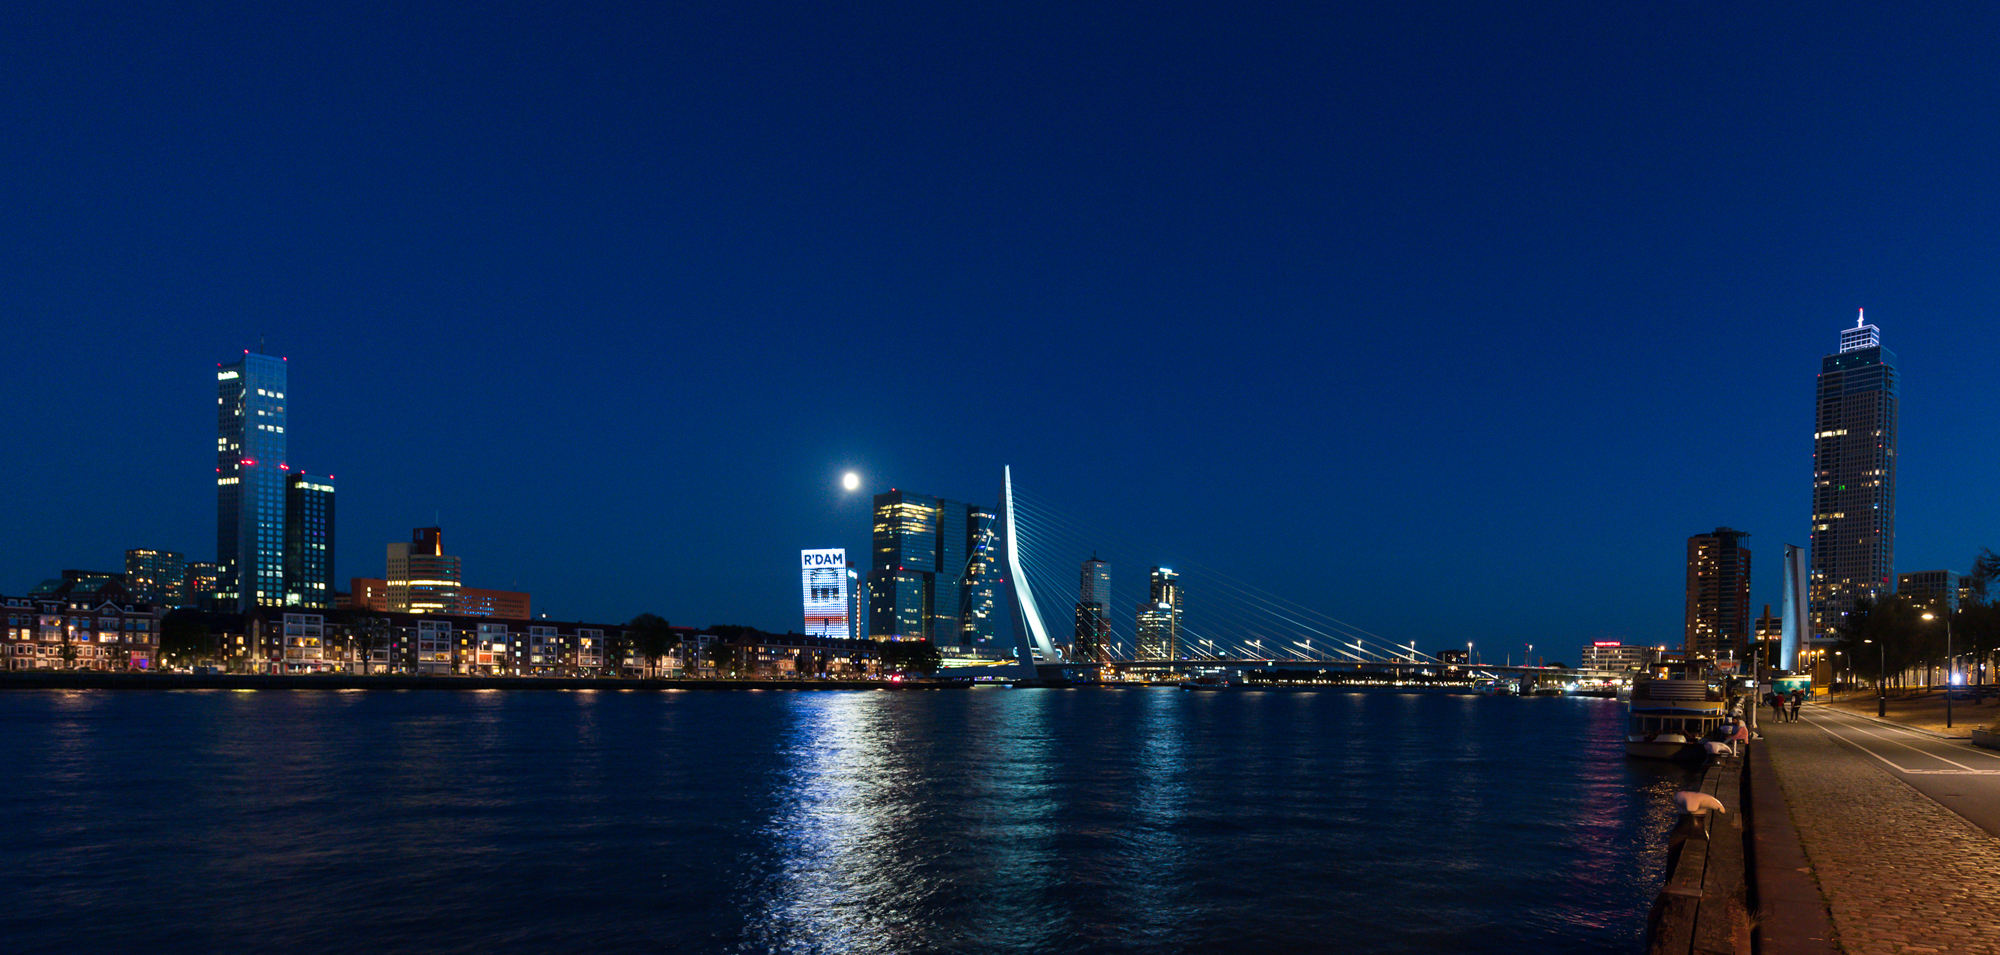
<point>1031,637</point>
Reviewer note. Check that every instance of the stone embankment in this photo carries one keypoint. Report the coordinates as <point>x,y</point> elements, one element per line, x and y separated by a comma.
<point>1704,909</point>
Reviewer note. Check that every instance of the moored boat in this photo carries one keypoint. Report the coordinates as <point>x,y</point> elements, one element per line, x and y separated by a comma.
<point>1671,715</point>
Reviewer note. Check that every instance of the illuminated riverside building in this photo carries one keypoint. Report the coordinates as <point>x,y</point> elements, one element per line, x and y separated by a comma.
<point>87,623</point>
<point>372,594</point>
<point>823,580</point>
<point>1159,618</point>
<point>250,473</point>
<point>1718,596</point>
<point>204,585</point>
<point>422,578</point>
<point>1614,656</point>
<point>982,578</point>
<point>157,577</point>
<point>933,577</point>
<point>1931,588</point>
<point>308,541</point>
<point>1093,613</point>
<point>1854,478</point>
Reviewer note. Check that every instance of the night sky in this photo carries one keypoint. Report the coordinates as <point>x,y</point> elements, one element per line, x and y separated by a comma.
<point>1455,320</point>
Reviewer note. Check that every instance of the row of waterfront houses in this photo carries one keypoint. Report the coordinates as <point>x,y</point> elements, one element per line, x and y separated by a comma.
<point>100,632</point>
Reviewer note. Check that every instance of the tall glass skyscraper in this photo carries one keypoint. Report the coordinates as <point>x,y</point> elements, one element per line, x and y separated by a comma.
<point>1092,638</point>
<point>308,540</point>
<point>250,480</point>
<point>1159,623</point>
<point>933,570</point>
<point>1854,478</point>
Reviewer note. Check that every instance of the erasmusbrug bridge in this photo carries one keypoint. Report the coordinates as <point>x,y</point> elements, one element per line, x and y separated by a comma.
<point>1214,623</point>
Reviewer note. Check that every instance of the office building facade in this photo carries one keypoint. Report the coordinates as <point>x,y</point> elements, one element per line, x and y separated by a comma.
<point>1933,589</point>
<point>157,577</point>
<point>982,578</point>
<point>308,541</point>
<point>250,473</point>
<point>1718,596</point>
<point>1092,637</point>
<point>925,570</point>
<point>1854,478</point>
<point>823,583</point>
<point>1159,618</point>
<point>422,578</point>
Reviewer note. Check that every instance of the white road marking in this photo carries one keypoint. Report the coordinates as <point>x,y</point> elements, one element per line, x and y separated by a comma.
<point>1866,729</point>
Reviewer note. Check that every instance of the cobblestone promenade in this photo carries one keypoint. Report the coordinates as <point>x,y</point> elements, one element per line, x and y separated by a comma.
<point>1900,873</point>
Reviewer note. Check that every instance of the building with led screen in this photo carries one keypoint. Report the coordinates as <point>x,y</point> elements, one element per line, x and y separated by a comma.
<point>823,580</point>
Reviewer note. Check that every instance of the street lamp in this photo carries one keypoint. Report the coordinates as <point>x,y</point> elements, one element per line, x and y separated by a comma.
<point>1881,678</point>
<point>1948,661</point>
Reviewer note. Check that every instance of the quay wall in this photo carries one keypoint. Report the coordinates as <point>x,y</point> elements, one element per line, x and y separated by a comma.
<point>1703,909</point>
<point>101,680</point>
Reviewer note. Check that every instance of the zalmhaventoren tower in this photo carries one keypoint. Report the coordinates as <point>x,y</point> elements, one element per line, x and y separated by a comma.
<point>273,523</point>
<point>1854,477</point>
<point>250,480</point>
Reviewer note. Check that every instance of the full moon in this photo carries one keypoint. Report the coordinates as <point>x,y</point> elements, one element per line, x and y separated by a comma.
<point>850,480</point>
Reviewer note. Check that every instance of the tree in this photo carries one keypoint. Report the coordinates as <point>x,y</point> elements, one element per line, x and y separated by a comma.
<point>1888,632</point>
<point>1976,630</point>
<point>911,656</point>
<point>184,636</point>
<point>653,637</point>
<point>369,633</point>
<point>722,656</point>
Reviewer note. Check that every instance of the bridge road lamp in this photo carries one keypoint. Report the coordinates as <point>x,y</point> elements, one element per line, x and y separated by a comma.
<point>1948,663</point>
<point>1881,679</point>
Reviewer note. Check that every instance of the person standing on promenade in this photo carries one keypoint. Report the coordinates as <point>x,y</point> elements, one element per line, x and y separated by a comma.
<point>1798,700</point>
<point>1777,701</point>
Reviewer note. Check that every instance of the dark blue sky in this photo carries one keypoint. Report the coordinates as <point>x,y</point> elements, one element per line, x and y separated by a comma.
<point>1453,319</point>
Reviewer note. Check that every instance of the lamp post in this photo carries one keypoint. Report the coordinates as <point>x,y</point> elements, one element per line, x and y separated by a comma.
<point>1947,666</point>
<point>1881,679</point>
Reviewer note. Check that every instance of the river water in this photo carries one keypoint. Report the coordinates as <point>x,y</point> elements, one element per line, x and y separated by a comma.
<point>985,820</point>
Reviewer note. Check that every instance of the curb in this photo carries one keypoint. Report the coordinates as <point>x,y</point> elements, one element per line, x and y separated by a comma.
<point>1792,915</point>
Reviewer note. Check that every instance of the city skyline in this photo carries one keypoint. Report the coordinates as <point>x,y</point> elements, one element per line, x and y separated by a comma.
<point>1330,317</point>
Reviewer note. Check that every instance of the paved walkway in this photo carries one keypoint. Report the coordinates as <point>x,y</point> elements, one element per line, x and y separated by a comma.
<point>1900,873</point>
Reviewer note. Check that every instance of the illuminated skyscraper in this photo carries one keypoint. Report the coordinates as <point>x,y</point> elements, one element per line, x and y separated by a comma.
<point>1718,596</point>
<point>157,577</point>
<point>1854,478</point>
<point>982,576</point>
<point>422,578</point>
<point>823,584</point>
<point>250,480</point>
<point>1159,623</point>
<point>1093,613</point>
<point>926,550</point>
<point>308,540</point>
